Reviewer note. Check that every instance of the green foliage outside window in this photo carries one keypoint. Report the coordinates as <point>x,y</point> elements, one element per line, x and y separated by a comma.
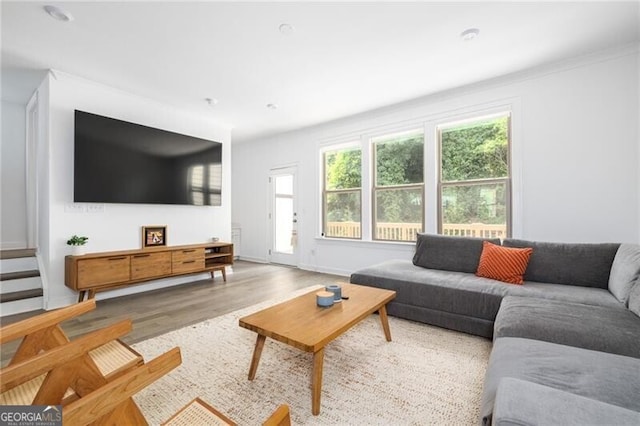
<point>475,151</point>
<point>343,169</point>
<point>343,172</point>
<point>399,161</point>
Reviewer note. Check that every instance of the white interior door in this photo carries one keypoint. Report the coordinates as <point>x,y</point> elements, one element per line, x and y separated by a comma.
<point>283,217</point>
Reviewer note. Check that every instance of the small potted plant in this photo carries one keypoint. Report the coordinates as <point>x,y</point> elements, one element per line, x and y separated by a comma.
<point>77,244</point>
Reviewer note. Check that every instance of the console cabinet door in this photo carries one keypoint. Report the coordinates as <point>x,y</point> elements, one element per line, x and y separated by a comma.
<point>187,260</point>
<point>149,265</point>
<point>104,270</point>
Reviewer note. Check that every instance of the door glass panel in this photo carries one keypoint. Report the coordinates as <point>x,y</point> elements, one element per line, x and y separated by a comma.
<point>284,185</point>
<point>284,215</point>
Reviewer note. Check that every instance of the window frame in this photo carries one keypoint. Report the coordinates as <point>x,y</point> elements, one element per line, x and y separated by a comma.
<point>429,121</point>
<point>508,180</point>
<point>374,180</point>
<point>354,146</point>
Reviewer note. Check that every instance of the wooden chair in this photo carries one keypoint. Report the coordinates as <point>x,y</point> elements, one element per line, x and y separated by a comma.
<point>61,374</point>
<point>280,417</point>
<point>94,376</point>
<point>112,403</point>
<point>43,333</point>
<point>198,412</point>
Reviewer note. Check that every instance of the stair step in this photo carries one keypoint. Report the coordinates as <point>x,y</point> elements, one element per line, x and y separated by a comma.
<point>21,284</point>
<point>20,295</point>
<point>21,306</point>
<point>16,253</point>
<point>18,264</point>
<point>19,275</point>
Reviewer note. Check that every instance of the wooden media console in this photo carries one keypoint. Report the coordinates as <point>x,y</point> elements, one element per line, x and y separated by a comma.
<point>95,272</point>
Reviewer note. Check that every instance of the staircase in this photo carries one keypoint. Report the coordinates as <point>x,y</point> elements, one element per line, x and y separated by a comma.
<point>20,283</point>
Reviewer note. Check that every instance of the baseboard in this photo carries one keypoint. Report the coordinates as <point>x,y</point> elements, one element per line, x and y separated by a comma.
<point>152,285</point>
<point>139,288</point>
<point>333,271</point>
<point>253,259</point>
<point>61,302</point>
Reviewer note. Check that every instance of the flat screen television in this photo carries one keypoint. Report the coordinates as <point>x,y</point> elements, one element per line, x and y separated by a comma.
<point>120,162</point>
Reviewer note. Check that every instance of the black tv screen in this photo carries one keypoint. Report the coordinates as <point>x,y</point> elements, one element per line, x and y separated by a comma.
<point>120,162</point>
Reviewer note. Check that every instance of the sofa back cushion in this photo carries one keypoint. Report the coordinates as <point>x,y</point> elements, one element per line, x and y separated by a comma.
<point>458,254</point>
<point>625,271</point>
<point>586,265</point>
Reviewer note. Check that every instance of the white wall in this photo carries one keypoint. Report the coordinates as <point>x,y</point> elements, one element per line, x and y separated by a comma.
<point>13,225</point>
<point>575,145</point>
<point>115,226</point>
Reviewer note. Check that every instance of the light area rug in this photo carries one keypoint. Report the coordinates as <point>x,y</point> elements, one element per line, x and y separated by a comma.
<point>425,376</point>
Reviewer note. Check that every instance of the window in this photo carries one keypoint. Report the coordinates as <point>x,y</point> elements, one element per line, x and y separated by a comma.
<point>205,181</point>
<point>474,185</point>
<point>398,188</point>
<point>342,193</point>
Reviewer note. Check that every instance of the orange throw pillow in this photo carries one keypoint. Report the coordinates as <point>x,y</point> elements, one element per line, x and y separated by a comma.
<point>504,264</point>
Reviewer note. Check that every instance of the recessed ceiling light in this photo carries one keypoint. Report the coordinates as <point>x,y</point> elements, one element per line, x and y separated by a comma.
<point>272,106</point>
<point>57,13</point>
<point>470,34</point>
<point>286,29</point>
<point>211,101</point>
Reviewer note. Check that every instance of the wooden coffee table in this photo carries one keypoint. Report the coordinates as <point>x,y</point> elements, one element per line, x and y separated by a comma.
<point>299,322</point>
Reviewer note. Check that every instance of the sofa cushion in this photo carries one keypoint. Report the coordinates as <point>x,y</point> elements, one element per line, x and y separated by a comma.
<point>598,328</point>
<point>504,264</point>
<point>568,293</point>
<point>625,271</point>
<point>597,375</point>
<point>458,254</point>
<point>463,293</point>
<point>634,299</point>
<point>586,265</point>
<point>522,403</point>
<point>455,292</point>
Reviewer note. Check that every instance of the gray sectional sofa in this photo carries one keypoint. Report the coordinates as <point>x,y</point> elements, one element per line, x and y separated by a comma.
<point>569,337</point>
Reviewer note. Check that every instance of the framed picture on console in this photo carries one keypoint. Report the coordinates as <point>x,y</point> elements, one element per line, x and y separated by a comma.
<point>154,236</point>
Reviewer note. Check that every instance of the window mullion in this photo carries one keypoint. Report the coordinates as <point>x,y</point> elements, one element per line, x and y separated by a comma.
<point>367,173</point>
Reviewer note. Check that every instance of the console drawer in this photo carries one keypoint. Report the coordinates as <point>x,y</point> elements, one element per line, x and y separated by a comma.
<point>148,265</point>
<point>188,265</point>
<point>187,254</point>
<point>187,260</point>
<point>105,270</point>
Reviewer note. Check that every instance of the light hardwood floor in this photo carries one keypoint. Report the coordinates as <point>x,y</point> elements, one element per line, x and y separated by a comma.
<point>157,312</point>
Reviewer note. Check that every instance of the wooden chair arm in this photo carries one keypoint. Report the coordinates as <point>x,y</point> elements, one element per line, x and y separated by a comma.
<point>107,398</point>
<point>48,319</point>
<point>16,374</point>
<point>280,417</point>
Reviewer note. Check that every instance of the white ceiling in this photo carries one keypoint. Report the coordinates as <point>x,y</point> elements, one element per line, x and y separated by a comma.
<point>343,58</point>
